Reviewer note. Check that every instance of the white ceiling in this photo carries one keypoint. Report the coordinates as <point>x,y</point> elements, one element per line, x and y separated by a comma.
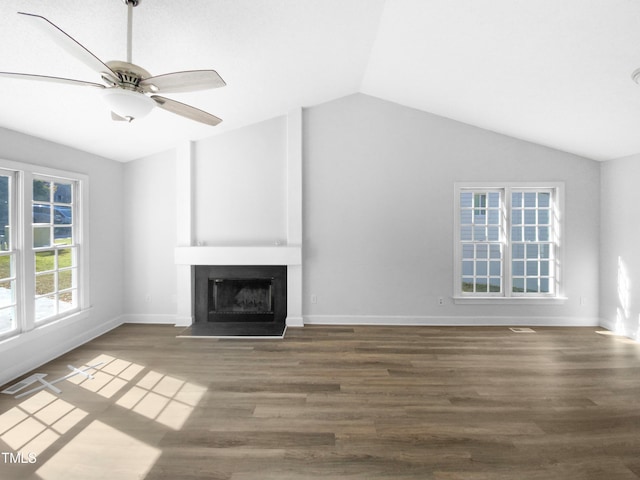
<point>552,72</point>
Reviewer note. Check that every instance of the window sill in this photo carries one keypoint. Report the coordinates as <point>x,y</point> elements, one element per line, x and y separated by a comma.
<point>509,300</point>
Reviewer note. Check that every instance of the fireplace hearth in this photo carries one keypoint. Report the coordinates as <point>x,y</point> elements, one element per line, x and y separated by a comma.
<point>240,300</point>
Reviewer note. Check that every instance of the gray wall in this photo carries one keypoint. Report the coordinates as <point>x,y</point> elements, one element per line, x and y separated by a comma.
<point>27,351</point>
<point>378,215</point>
<point>150,238</point>
<point>620,255</point>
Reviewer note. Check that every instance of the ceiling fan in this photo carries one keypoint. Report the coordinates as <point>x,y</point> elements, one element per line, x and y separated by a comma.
<point>128,89</point>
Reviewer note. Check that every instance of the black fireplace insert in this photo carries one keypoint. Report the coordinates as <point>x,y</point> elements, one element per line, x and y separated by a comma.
<point>240,300</point>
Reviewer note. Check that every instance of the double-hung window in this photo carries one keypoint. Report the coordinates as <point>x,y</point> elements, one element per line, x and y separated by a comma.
<point>43,247</point>
<point>507,241</point>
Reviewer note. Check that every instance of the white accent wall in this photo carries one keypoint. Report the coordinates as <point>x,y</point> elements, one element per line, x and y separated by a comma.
<point>238,196</point>
<point>620,252</point>
<point>378,216</point>
<point>240,186</point>
<point>31,349</point>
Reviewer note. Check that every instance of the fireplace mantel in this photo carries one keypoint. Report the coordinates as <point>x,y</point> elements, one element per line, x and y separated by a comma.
<point>239,255</point>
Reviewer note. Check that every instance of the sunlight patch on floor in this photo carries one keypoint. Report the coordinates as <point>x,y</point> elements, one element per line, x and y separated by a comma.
<point>165,399</point>
<point>36,423</point>
<point>101,452</point>
<point>110,377</point>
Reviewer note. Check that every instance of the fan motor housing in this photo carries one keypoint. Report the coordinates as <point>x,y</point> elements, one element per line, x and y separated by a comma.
<point>129,73</point>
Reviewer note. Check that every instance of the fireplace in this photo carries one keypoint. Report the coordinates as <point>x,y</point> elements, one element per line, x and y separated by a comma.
<point>240,300</point>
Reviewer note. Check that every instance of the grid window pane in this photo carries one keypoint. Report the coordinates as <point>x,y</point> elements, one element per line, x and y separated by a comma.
<point>544,285</point>
<point>45,307</point>
<point>467,268</point>
<point>45,283</point>
<point>41,237</point>
<point>495,269</point>
<point>7,319</point>
<point>544,268</point>
<point>516,199</point>
<point>45,261</point>
<point>7,293</point>
<point>68,301</point>
<point>544,199</point>
<point>518,268</point>
<point>54,247</point>
<point>518,250</point>
<point>481,268</point>
<point>516,234</point>
<point>66,279</point>
<point>41,191</point>
<point>530,217</point>
<point>466,199</point>
<point>518,285</point>
<point>530,199</point>
<point>543,217</point>
<point>516,217</point>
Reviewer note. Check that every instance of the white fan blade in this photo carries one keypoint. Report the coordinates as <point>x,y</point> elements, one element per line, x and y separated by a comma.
<point>186,111</point>
<point>68,43</point>
<point>45,78</point>
<point>187,81</point>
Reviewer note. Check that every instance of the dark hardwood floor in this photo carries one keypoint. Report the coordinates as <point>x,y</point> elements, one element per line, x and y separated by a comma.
<point>397,403</point>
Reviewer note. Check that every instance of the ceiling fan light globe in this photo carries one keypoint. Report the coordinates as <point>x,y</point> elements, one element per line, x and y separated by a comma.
<point>126,103</point>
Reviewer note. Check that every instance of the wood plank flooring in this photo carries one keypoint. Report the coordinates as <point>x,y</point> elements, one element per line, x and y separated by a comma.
<point>450,403</point>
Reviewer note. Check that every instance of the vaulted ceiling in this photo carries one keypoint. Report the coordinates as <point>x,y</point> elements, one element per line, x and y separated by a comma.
<point>557,73</point>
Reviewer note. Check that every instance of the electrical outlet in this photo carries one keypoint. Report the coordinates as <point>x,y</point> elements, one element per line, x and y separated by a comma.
<point>440,300</point>
<point>147,299</point>
<point>314,298</point>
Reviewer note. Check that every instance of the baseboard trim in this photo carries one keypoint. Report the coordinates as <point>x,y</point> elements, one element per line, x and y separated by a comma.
<point>608,324</point>
<point>295,321</point>
<point>406,320</point>
<point>150,318</point>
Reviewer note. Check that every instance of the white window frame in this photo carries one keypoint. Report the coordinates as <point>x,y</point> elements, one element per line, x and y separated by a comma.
<point>507,295</point>
<point>22,211</point>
